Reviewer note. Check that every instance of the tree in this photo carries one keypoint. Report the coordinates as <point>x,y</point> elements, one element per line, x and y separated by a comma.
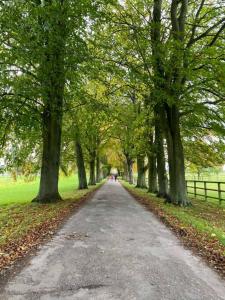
<point>44,43</point>
<point>53,28</point>
<point>146,74</point>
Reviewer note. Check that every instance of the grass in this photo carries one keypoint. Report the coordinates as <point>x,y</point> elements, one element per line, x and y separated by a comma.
<point>18,216</point>
<point>207,176</point>
<point>200,192</point>
<point>23,192</point>
<point>206,217</point>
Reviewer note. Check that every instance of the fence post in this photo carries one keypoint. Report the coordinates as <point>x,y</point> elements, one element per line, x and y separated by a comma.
<point>219,192</point>
<point>205,189</point>
<point>195,188</point>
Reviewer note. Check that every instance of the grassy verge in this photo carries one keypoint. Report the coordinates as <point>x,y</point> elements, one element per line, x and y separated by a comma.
<point>200,227</point>
<point>23,192</point>
<point>23,224</point>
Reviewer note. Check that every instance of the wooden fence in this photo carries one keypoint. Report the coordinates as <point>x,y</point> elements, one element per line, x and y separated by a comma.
<point>206,189</point>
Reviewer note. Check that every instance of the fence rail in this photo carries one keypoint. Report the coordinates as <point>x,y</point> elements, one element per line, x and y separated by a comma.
<point>204,189</point>
<point>211,189</point>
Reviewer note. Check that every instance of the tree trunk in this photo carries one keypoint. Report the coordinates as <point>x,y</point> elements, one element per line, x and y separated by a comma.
<point>92,178</point>
<point>48,190</point>
<point>80,166</point>
<point>14,175</point>
<point>160,155</point>
<point>141,179</point>
<point>130,169</point>
<point>98,169</point>
<point>64,169</point>
<point>130,172</point>
<point>52,76</point>
<point>152,174</point>
<point>125,171</point>
<point>177,192</point>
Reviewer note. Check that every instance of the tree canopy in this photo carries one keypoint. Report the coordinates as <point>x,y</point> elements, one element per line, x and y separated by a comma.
<point>101,83</point>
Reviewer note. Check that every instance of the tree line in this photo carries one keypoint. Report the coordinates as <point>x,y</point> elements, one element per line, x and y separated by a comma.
<point>145,78</point>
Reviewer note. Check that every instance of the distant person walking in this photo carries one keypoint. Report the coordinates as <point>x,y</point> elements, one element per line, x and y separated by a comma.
<point>115,176</point>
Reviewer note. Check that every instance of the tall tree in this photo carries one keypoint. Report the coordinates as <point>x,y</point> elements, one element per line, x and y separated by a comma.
<point>53,28</point>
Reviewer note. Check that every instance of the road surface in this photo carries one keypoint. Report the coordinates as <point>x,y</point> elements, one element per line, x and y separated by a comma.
<point>114,249</point>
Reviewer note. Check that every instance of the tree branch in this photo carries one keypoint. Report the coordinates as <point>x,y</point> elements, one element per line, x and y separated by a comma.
<point>205,34</point>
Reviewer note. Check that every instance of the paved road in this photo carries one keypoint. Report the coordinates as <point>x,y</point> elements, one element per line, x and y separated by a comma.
<point>114,249</point>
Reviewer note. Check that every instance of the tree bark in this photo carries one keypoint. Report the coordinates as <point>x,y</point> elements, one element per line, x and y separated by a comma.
<point>129,161</point>
<point>92,178</point>
<point>52,76</point>
<point>80,166</point>
<point>98,169</point>
<point>152,174</point>
<point>64,169</point>
<point>52,122</point>
<point>177,192</point>
<point>160,155</point>
<point>141,168</point>
<point>125,171</point>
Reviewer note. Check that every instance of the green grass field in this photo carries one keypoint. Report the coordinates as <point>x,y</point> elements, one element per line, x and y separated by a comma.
<point>201,194</point>
<point>207,176</point>
<point>22,192</point>
<point>211,180</point>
